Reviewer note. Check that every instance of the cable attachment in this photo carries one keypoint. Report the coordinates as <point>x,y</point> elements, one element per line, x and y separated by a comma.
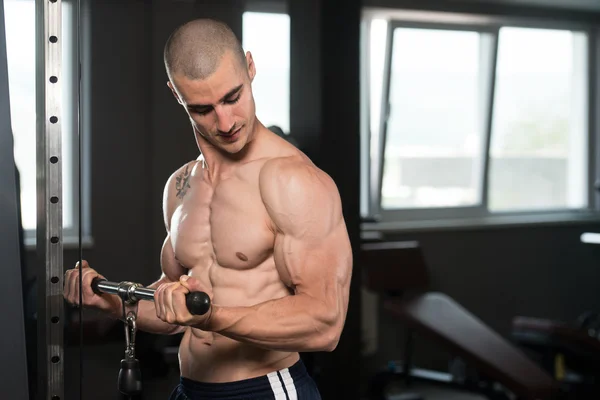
<point>130,330</point>
<point>130,375</point>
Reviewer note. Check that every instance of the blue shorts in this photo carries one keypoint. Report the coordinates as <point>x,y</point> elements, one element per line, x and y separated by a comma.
<point>291,383</point>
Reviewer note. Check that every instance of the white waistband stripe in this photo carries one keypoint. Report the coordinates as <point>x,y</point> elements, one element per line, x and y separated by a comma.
<point>288,381</point>
<point>276,386</point>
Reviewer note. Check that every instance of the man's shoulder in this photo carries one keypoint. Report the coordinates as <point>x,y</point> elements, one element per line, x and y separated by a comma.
<point>288,165</point>
<point>286,161</point>
<point>300,198</point>
<point>178,181</point>
<point>176,187</point>
<point>182,172</point>
<point>185,169</point>
<point>295,172</point>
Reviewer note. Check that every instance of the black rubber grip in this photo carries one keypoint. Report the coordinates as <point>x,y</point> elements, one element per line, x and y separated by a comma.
<point>130,377</point>
<point>95,282</point>
<point>198,303</point>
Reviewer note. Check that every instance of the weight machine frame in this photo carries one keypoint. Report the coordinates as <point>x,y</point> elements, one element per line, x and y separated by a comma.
<point>49,238</point>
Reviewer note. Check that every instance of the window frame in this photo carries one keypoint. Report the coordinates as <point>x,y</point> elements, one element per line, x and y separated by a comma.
<point>266,6</point>
<point>377,218</point>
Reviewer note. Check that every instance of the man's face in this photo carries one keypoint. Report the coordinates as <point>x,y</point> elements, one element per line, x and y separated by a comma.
<point>221,107</point>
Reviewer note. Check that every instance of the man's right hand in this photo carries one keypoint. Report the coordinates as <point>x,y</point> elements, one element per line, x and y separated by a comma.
<point>105,302</point>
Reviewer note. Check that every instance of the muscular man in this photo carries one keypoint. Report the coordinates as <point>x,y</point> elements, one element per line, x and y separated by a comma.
<point>253,223</point>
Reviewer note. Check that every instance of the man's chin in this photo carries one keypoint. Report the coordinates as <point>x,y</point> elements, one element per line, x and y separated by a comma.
<point>233,148</point>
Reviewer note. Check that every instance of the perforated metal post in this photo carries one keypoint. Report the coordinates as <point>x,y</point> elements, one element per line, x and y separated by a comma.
<point>49,200</point>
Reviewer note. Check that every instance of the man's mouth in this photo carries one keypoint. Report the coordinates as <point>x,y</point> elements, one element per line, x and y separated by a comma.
<point>231,133</point>
<point>231,136</point>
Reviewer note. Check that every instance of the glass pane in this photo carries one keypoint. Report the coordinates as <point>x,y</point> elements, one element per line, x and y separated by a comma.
<point>267,37</point>
<point>20,48</point>
<point>538,149</point>
<point>434,134</point>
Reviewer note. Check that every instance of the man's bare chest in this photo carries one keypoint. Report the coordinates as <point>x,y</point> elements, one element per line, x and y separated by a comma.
<point>225,225</point>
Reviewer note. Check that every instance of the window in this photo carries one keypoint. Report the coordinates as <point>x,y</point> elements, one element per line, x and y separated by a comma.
<point>21,57</point>
<point>267,37</point>
<point>471,117</point>
<point>431,154</point>
<point>538,156</point>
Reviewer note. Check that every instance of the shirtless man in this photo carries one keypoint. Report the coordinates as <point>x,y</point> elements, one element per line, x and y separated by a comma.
<point>254,224</point>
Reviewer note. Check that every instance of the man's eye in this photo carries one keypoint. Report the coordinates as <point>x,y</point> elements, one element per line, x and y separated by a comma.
<point>203,111</point>
<point>233,101</point>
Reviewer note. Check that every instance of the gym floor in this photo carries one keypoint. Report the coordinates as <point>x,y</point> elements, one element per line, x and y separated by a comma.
<point>424,391</point>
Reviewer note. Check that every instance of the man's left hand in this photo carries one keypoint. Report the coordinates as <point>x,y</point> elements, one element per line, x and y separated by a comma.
<point>170,303</point>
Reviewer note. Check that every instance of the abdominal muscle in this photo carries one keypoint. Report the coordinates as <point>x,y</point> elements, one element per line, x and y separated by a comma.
<point>211,357</point>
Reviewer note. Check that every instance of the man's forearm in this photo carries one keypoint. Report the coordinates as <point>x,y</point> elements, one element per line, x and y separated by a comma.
<point>293,323</point>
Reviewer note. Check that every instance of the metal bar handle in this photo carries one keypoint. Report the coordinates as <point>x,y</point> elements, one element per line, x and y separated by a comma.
<point>198,303</point>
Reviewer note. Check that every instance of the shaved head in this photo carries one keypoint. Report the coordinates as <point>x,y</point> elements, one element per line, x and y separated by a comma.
<point>195,49</point>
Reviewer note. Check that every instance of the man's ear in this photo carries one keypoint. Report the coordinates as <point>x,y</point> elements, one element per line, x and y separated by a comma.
<point>251,66</point>
<point>170,85</point>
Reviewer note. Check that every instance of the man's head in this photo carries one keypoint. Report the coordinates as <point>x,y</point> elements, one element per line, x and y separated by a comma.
<point>211,78</point>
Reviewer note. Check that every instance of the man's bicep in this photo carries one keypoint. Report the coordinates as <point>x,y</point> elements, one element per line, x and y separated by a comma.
<point>316,265</point>
<point>320,272</point>
<point>312,243</point>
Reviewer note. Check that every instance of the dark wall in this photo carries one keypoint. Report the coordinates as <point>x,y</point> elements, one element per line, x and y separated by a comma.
<point>121,140</point>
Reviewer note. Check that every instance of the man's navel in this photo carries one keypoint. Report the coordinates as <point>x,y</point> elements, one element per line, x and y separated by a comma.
<point>241,256</point>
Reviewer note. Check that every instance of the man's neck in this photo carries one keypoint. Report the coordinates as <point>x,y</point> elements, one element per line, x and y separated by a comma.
<point>220,163</point>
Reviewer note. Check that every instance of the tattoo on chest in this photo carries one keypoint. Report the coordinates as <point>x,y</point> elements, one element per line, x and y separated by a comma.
<point>182,183</point>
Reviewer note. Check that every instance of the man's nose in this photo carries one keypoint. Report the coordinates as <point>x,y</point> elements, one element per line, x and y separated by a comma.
<point>224,118</point>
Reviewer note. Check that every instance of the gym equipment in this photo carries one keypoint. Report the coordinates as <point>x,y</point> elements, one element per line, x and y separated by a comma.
<point>198,303</point>
<point>50,312</point>
<point>398,271</point>
<point>568,351</point>
<point>14,372</point>
<point>130,377</point>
